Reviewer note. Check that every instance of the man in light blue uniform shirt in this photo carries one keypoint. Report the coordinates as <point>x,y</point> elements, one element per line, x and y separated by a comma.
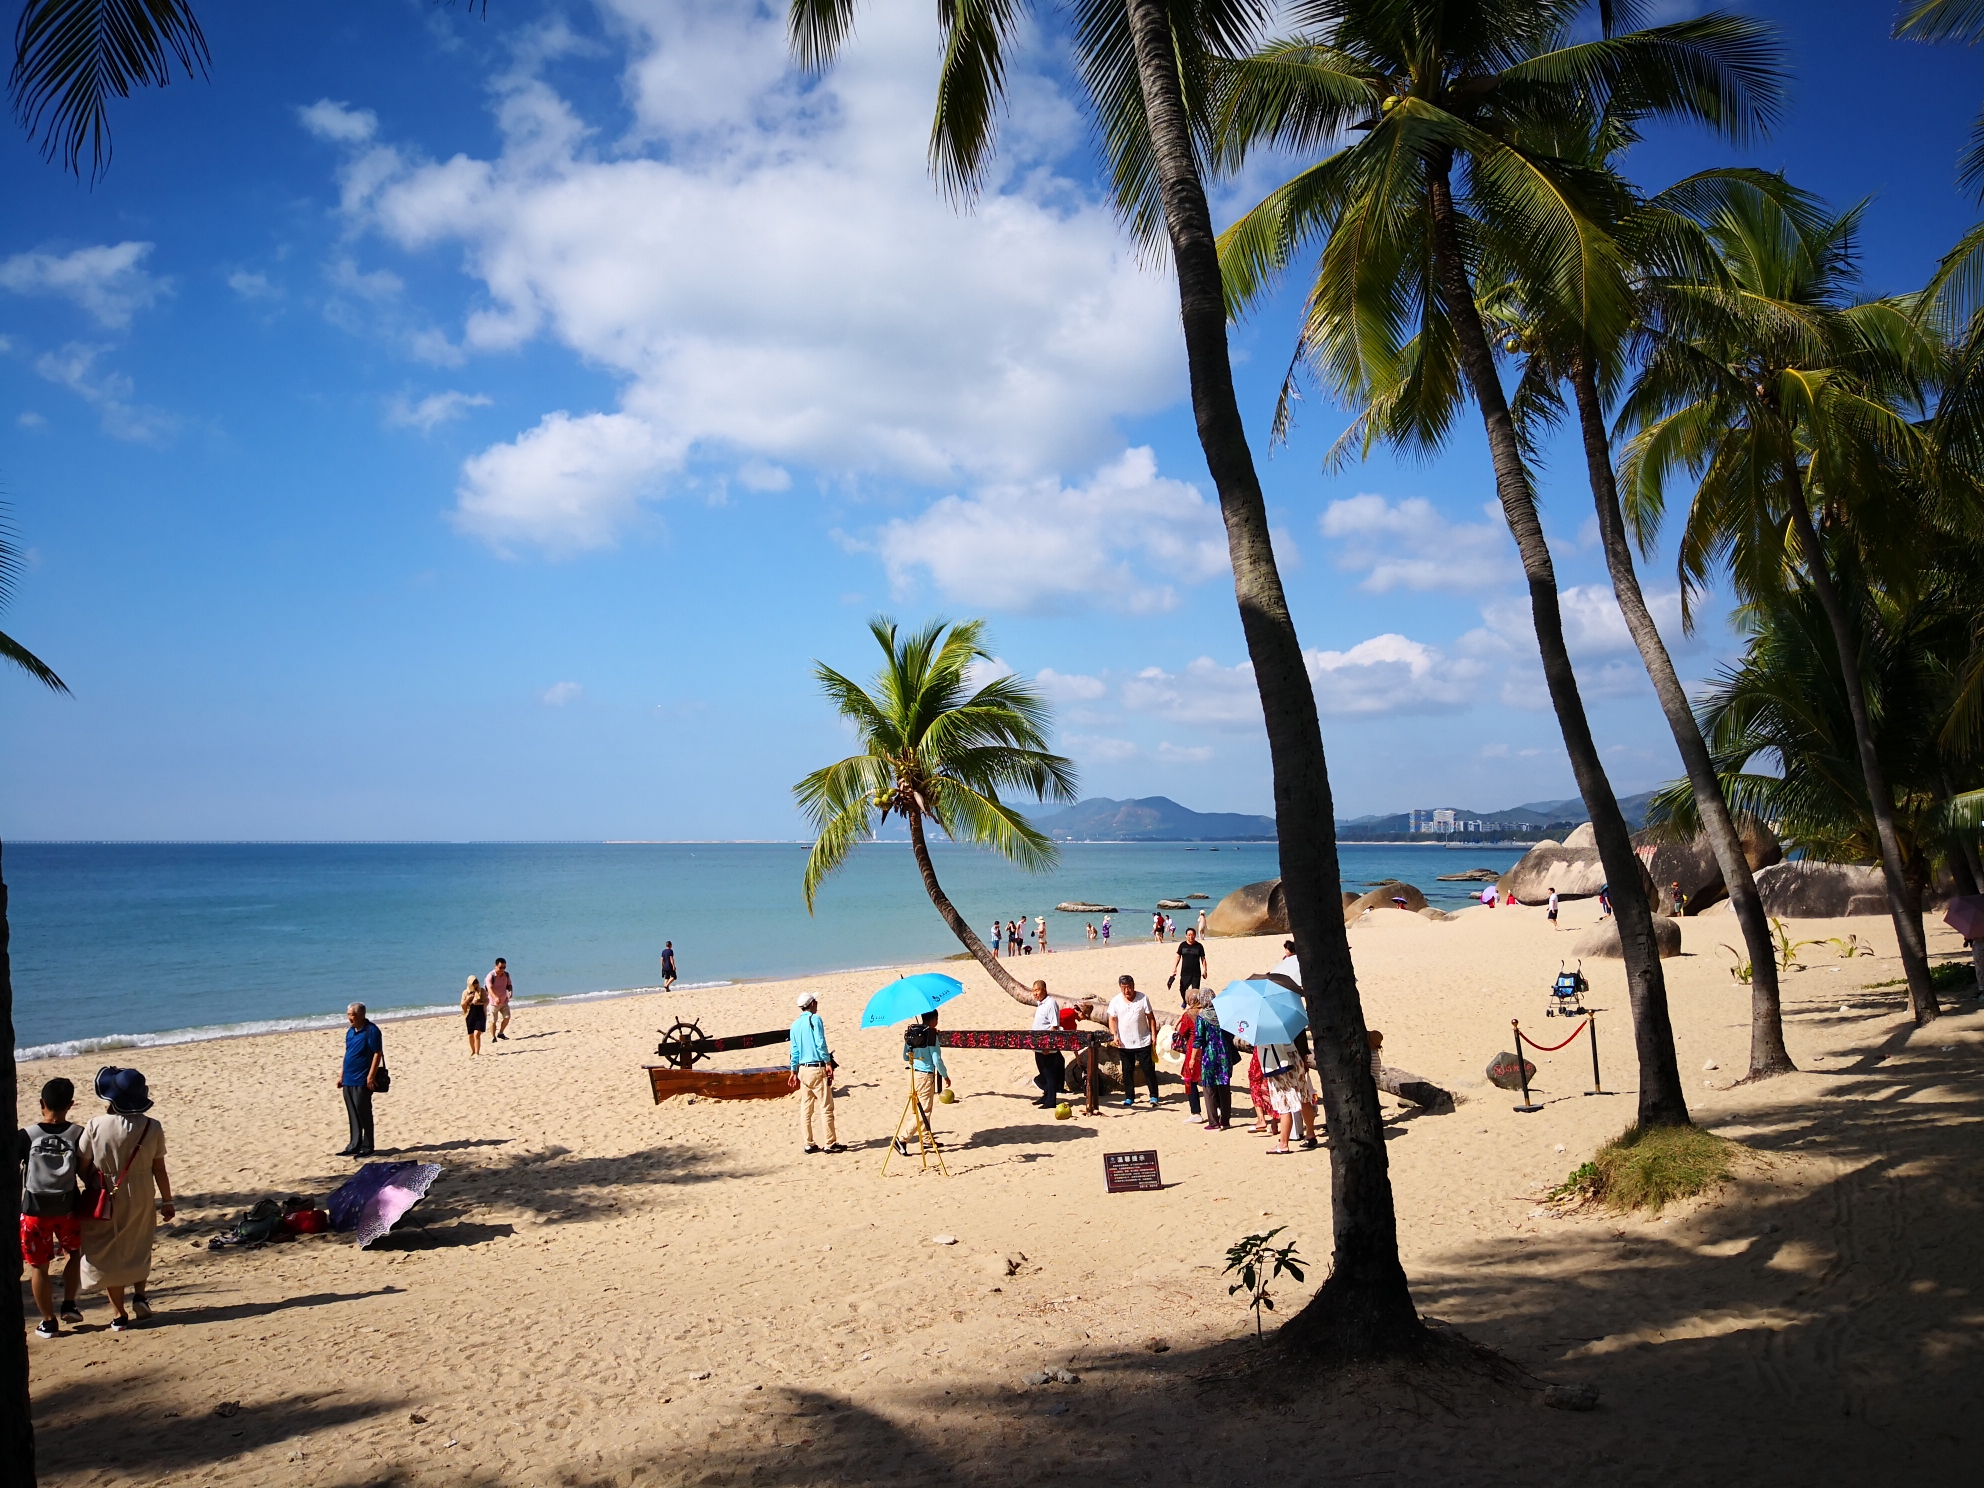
<point>813,1067</point>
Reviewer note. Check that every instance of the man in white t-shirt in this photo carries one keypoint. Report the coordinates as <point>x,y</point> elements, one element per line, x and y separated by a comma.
<point>1050,1065</point>
<point>1133,1024</point>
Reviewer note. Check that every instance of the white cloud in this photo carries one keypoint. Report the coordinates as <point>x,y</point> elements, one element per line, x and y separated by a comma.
<point>107,280</point>
<point>435,408</point>
<point>558,694</point>
<point>338,122</point>
<point>74,367</point>
<point>252,286</point>
<point>1101,748</point>
<point>1069,687</point>
<point>1168,753</point>
<point>567,485</point>
<point>1127,538</point>
<point>767,269</point>
<point>30,420</point>
<point>1385,674</point>
<point>1409,545</point>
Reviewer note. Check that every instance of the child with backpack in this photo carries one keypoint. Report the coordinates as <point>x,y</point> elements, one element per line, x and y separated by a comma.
<point>51,1189</point>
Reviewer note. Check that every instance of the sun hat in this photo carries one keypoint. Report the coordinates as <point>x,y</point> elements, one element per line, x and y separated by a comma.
<point>124,1089</point>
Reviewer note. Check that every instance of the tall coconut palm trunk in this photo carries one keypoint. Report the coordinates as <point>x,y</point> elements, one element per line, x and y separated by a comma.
<point>16,1421</point>
<point>1904,904</point>
<point>1365,1308</point>
<point>1661,1101</point>
<point>1768,1056</point>
<point>1001,978</point>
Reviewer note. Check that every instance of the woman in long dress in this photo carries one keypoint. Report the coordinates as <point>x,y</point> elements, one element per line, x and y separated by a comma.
<point>126,1148</point>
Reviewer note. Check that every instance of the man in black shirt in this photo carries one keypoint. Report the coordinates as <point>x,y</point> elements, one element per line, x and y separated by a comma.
<point>1189,969</point>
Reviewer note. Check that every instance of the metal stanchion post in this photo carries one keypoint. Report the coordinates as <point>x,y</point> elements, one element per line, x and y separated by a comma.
<point>1591,1029</point>
<point>1522,1070</point>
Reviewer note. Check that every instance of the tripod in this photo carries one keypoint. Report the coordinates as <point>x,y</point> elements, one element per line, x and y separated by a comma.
<point>926,1140</point>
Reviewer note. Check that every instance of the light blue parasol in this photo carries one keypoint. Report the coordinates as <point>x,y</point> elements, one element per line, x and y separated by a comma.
<point>1261,1012</point>
<point>910,997</point>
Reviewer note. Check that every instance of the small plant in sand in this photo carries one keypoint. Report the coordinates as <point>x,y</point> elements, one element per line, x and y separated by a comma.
<point>1849,946</point>
<point>1739,970</point>
<point>1787,948</point>
<point>1648,1168</point>
<point>1259,1263</point>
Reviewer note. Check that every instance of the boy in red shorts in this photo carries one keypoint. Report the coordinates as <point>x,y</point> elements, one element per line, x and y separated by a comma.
<point>51,1163</point>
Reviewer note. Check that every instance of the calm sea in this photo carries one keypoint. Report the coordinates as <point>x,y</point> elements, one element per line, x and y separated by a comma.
<point>132,944</point>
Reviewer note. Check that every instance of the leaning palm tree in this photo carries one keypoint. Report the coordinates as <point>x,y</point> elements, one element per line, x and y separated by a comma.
<point>1663,242</point>
<point>1454,113</point>
<point>937,749</point>
<point>1147,66</point>
<point>16,1425</point>
<point>1796,409</point>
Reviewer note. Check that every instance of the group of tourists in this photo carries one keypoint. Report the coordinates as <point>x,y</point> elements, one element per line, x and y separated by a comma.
<point>1279,1076</point>
<point>1018,938</point>
<point>93,1194</point>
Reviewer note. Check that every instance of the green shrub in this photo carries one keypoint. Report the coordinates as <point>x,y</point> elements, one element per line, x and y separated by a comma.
<point>1943,977</point>
<point>1647,1169</point>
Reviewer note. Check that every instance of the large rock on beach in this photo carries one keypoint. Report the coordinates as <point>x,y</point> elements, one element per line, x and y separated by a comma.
<point>1382,897</point>
<point>1573,869</point>
<point>1693,866</point>
<point>1082,906</point>
<point>1252,909</point>
<point>1821,891</point>
<point>1602,939</point>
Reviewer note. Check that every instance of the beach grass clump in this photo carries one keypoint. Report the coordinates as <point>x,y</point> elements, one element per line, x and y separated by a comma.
<point>1649,1168</point>
<point>1944,976</point>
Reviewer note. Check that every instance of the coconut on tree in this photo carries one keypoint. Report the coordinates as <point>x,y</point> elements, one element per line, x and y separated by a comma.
<point>936,748</point>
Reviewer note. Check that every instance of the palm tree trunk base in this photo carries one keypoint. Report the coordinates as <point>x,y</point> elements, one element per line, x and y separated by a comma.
<point>1356,1319</point>
<point>1769,1071</point>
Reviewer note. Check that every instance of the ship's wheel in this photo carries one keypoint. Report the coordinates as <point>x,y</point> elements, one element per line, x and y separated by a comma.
<point>678,1044</point>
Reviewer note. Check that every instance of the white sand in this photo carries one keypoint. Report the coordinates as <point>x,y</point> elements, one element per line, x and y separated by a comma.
<point>614,1292</point>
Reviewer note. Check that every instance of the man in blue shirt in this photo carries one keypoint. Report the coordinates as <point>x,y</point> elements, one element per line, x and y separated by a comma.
<point>927,1075</point>
<point>364,1052</point>
<point>813,1068</point>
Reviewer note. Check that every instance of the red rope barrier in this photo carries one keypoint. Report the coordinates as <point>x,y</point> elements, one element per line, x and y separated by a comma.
<point>1551,1048</point>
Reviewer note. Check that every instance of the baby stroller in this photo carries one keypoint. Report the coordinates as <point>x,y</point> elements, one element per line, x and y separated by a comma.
<point>1567,993</point>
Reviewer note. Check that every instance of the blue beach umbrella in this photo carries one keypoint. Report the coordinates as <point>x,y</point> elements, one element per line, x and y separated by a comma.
<point>910,997</point>
<point>1261,1012</point>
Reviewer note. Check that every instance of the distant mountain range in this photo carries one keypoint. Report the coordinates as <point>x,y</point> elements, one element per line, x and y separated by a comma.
<point>1161,819</point>
<point>1152,819</point>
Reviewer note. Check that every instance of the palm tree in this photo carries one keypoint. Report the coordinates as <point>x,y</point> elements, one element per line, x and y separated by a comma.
<point>1950,20</point>
<point>16,1424</point>
<point>71,57</point>
<point>1146,65</point>
<point>1455,112</point>
<point>1781,395</point>
<point>935,749</point>
<point>1663,241</point>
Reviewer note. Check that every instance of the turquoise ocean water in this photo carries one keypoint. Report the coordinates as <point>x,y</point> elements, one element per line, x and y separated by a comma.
<point>121,945</point>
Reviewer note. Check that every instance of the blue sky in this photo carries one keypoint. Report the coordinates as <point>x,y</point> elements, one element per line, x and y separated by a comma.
<point>445,427</point>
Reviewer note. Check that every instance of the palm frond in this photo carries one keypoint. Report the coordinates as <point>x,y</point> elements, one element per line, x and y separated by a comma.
<point>71,57</point>
<point>12,650</point>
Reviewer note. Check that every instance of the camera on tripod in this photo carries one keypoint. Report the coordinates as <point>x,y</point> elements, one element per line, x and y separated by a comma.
<point>919,1036</point>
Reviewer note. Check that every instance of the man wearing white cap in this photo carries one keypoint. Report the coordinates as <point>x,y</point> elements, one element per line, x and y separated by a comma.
<point>813,1068</point>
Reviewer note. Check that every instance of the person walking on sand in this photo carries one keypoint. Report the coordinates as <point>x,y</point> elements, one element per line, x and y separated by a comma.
<point>1182,1043</point>
<point>127,1149</point>
<point>813,1070</point>
<point>51,1160</point>
<point>499,1000</point>
<point>1286,1074</point>
<point>1189,966</point>
<point>1050,1066</point>
<point>668,966</point>
<point>1216,1051</point>
<point>1553,906</point>
<point>1133,1025</point>
<point>364,1055</point>
<point>475,1013</point>
<point>1202,924</point>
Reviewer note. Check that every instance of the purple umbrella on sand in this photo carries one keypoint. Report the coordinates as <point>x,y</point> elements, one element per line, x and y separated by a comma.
<point>375,1198</point>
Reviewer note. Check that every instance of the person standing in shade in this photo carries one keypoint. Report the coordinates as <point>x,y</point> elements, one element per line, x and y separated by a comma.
<point>51,1161</point>
<point>499,1000</point>
<point>1553,906</point>
<point>668,966</point>
<point>1050,1065</point>
<point>1133,1024</point>
<point>127,1149</point>
<point>1190,965</point>
<point>813,1068</point>
<point>364,1052</point>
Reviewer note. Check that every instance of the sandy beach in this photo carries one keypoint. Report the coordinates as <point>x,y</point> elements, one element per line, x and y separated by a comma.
<point>603,1291</point>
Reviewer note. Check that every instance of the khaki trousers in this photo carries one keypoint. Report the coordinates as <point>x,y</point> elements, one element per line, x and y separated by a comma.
<point>816,1089</point>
